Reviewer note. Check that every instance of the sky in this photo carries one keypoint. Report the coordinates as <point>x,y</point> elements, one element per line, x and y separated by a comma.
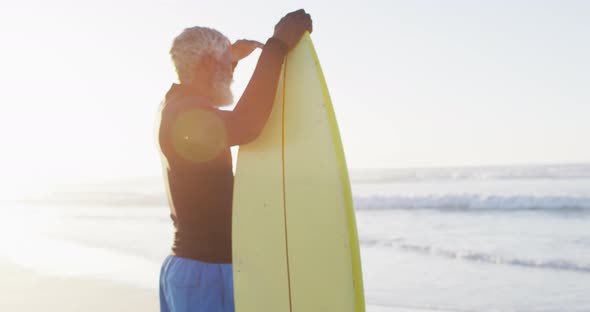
<point>413,83</point>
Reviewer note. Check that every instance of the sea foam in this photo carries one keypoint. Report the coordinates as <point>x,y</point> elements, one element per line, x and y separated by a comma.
<point>476,202</point>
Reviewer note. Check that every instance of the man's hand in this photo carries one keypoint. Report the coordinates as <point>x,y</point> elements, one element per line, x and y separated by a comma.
<point>242,48</point>
<point>291,27</point>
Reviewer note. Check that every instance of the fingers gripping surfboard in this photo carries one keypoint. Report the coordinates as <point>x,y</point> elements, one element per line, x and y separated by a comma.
<point>295,243</point>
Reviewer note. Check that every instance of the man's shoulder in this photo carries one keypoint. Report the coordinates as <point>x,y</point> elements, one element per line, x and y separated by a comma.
<point>186,102</point>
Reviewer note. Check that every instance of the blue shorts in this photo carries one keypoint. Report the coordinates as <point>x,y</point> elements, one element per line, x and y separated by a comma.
<point>188,285</point>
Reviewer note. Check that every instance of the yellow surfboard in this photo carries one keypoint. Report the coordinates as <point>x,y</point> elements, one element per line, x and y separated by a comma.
<point>295,244</point>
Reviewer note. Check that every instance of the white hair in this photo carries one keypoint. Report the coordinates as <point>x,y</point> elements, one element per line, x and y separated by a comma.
<point>191,45</point>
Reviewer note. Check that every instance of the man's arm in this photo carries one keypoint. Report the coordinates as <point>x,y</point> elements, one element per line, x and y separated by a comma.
<point>248,118</point>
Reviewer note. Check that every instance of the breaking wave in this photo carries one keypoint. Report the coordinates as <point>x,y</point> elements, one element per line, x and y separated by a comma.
<point>476,202</point>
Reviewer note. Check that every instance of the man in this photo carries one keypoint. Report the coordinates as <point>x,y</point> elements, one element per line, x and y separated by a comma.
<point>194,138</point>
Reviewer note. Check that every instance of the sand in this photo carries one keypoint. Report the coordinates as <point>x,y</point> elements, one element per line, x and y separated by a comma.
<point>22,290</point>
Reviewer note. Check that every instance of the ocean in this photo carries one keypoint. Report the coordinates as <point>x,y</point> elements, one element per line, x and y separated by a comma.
<point>497,238</point>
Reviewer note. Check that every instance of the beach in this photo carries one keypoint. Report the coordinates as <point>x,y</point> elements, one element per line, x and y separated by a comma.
<point>24,290</point>
<point>27,291</point>
<point>452,240</point>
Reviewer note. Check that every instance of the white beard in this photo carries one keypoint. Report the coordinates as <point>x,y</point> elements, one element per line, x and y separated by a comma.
<point>221,90</point>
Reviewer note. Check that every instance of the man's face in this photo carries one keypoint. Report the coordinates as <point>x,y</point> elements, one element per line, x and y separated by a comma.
<point>222,80</point>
